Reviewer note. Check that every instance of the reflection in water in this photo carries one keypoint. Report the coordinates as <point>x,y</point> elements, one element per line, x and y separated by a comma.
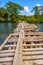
<point>7,28</point>
<point>2,38</point>
<point>40,27</point>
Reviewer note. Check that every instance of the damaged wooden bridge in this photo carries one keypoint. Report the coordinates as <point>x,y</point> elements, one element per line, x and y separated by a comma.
<point>23,47</point>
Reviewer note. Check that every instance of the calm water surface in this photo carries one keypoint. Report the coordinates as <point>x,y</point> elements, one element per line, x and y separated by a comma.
<point>7,28</point>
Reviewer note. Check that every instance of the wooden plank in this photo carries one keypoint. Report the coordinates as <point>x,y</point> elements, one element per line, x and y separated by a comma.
<point>28,58</point>
<point>10,45</point>
<point>6,59</point>
<point>33,49</point>
<point>18,58</point>
<point>6,55</point>
<point>32,53</point>
<point>5,42</point>
<point>7,51</point>
<point>38,62</point>
<point>33,44</point>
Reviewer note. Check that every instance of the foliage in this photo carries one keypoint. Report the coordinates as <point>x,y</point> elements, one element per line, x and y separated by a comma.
<point>10,13</point>
<point>13,8</point>
<point>38,10</point>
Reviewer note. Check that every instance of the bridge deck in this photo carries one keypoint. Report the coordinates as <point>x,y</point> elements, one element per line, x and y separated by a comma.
<point>23,47</point>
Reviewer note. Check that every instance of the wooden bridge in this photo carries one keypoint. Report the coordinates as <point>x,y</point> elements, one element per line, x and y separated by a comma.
<point>23,47</point>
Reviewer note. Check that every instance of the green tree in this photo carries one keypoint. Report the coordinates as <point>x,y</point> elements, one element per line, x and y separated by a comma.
<point>38,10</point>
<point>2,12</point>
<point>13,7</point>
<point>13,10</point>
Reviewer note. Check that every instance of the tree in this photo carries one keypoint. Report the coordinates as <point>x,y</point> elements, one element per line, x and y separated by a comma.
<point>42,10</point>
<point>6,16</point>
<point>2,11</point>
<point>13,8</point>
<point>38,10</point>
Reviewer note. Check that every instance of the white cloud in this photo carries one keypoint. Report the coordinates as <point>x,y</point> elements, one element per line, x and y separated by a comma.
<point>26,8</point>
<point>38,4</point>
<point>26,11</point>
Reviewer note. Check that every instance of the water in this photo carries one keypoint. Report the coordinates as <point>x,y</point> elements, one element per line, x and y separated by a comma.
<point>7,28</point>
<point>40,27</point>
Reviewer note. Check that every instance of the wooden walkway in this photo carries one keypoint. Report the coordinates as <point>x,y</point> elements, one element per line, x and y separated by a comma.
<point>23,47</point>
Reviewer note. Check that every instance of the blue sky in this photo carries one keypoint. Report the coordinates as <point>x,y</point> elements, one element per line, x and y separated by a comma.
<point>27,4</point>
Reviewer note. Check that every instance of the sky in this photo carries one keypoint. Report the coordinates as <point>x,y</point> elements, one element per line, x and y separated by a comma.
<point>27,5</point>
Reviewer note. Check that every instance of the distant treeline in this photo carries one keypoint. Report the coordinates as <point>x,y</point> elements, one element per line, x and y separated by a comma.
<point>11,13</point>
